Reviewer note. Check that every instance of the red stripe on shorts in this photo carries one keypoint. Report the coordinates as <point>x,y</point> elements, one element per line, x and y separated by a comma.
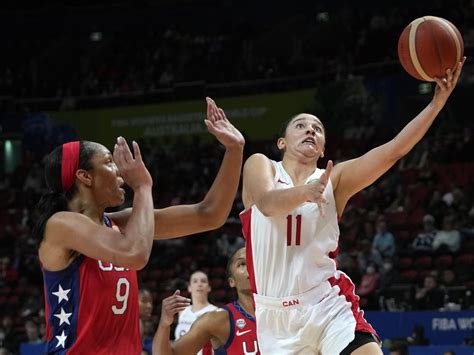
<point>347,289</point>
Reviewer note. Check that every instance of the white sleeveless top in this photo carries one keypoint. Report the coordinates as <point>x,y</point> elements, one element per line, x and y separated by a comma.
<point>187,317</point>
<point>288,255</point>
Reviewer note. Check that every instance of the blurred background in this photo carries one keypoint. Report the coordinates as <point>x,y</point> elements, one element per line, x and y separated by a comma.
<point>141,69</point>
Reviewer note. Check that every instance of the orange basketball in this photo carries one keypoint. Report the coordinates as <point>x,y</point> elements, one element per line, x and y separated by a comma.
<point>429,46</point>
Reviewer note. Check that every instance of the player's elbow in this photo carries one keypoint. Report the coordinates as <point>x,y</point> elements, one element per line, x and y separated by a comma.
<point>139,257</point>
<point>214,222</point>
<point>266,209</point>
<point>139,261</point>
<point>211,216</point>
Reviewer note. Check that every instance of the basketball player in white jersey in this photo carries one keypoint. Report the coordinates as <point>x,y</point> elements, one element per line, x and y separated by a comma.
<point>199,289</point>
<point>304,305</point>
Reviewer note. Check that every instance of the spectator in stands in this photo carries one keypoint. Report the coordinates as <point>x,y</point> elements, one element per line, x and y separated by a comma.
<point>368,285</point>
<point>228,244</point>
<point>418,336</point>
<point>369,281</point>
<point>436,206</point>
<point>448,278</point>
<point>423,242</point>
<point>401,201</point>
<point>145,307</point>
<point>388,275</point>
<point>8,338</point>
<point>32,332</point>
<point>448,238</point>
<point>430,295</point>
<point>384,242</point>
<point>468,227</point>
<point>367,255</point>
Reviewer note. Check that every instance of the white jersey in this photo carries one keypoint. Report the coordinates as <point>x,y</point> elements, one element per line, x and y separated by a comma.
<point>187,317</point>
<point>289,255</point>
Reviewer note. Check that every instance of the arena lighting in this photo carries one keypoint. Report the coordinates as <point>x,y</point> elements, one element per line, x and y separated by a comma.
<point>424,88</point>
<point>96,36</point>
<point>8,155</point>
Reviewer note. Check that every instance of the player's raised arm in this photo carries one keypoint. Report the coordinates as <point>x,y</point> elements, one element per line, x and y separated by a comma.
<point>352,176</point>
<point>213,210</point>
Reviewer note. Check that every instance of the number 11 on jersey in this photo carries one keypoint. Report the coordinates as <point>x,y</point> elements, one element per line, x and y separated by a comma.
<point>289,229</point>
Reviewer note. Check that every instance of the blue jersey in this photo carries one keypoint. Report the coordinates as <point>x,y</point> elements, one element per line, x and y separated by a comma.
<point>243,333</point>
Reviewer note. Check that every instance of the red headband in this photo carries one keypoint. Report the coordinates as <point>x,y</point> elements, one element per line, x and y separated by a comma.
<point>69,164</point>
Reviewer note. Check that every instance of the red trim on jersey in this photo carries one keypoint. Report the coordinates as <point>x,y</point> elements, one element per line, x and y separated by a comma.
<point>347,289</point>
<point>207,349</point>
<point>49,334</point>
<point>333,254</point>
<point>246,219</point>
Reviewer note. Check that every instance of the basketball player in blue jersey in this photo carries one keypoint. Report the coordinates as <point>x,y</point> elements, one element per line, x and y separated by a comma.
<point>304,305</point>
<point>231,330</point>
<point>89,258</point>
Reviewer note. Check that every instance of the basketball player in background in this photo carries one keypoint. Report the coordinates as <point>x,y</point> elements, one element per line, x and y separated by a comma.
<point>231,330</point>
<point>304,305</point>
<point>145,302</point>
<point>89,258</point>
<point>199,289</point>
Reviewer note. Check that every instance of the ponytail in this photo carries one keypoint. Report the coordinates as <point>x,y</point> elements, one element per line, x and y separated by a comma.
<point>50,203</point>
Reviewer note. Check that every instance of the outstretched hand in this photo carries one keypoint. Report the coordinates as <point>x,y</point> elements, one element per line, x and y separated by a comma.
<point>131,167</point>
<point>446,85</point>
<point>171,306</point>
<point>316,189</point>
<point>219,126</point>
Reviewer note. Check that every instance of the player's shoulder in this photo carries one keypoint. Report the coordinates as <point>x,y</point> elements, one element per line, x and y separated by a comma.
<point>258,162</point>
<point>62,217</point>
<point>258,158</point>
<point>62,223</point>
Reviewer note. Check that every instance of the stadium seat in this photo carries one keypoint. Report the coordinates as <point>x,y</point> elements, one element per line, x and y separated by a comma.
<point>396,219</point>
<point>465,259</point>
<point>443,261</point>
<point>408,275</point>
<point>405,262</point>
<point>423,262</point>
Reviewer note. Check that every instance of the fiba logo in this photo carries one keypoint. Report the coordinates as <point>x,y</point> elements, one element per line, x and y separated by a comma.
<point>240,323</point>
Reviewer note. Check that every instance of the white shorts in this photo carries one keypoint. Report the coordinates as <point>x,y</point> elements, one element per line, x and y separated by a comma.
<point>318,322</point>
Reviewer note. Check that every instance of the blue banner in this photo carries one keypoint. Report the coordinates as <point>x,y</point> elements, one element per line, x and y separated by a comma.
<point>440,350</point>
<point>440,327</point>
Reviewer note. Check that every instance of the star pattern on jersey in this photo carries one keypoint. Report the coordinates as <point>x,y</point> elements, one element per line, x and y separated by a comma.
<point>63,317</point>
<point>61,294</point>
<point>61,340</point>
